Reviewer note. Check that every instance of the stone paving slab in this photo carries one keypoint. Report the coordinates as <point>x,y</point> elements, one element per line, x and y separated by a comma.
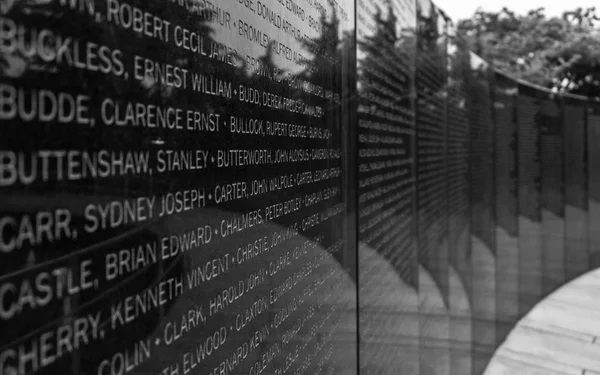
<point>559,336</point>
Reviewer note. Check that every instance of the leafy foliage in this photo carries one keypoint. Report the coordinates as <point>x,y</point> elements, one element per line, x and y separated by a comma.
<point>558,53</point>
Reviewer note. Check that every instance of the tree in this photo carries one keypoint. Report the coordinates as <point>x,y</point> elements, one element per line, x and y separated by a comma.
<point>562,53</point>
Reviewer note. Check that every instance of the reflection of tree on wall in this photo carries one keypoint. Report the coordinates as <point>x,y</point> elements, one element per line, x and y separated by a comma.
<point>331,64</point>
<point>387,56</point>
<point>323,65</point>
<point>387,62</point>
<point>385,97</point>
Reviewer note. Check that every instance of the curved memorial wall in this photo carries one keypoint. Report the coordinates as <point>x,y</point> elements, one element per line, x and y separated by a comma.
<point>276,187</point>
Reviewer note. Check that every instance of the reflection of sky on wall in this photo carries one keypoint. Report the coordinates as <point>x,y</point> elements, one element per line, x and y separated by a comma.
<point>232,38</point>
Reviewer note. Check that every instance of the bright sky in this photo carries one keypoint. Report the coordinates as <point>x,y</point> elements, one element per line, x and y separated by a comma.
<point>458,9</point>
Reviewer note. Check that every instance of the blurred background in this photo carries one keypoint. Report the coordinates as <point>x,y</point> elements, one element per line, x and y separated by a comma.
<point>552,44</point>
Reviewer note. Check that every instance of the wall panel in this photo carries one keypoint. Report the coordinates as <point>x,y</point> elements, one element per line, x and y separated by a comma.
<point>388,280</point>
<point>530,239</point>
<point>483,263</point>
<point>186,164</point>
<point>577,258</point>
<point>432,200</point>
<point>431,135</point>
<point>593,140</point>
<point>507,228</point>
<point>552,139</point>
<point>459,237</point>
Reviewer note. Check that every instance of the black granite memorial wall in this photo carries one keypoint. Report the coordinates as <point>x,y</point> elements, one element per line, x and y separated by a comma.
<point>276,187</point>
<point>172,187</point>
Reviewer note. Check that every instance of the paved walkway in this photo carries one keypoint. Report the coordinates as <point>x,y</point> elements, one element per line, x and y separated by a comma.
<point>561,335</point>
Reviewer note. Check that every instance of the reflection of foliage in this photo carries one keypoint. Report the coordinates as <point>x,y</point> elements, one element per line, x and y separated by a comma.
<point>325,50</point>
<point>559,53</point>
<point>331,69</point>
<point>431,52</point>
<point>387,66</point>
<point>331,55</point>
